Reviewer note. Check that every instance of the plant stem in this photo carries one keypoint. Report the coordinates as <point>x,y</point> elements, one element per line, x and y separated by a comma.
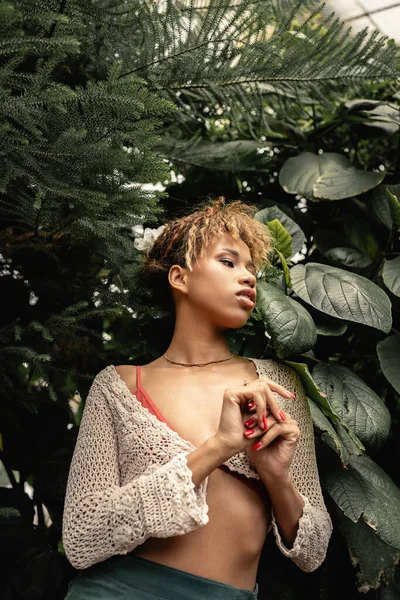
<point>311,358</point>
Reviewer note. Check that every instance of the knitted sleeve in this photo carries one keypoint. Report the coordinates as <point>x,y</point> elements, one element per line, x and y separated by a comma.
<point>103,518</point>
<point>315,525</point>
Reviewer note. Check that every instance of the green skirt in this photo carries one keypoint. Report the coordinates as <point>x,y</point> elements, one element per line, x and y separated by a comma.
<point>130,577</point>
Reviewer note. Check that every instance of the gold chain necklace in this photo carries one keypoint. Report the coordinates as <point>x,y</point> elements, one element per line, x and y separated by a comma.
<point>197,364</point>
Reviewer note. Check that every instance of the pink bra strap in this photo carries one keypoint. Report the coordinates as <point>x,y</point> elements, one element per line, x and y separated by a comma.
<point>138,377</point>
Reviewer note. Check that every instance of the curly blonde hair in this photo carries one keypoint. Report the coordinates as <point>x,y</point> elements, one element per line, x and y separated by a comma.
<point>186,239</point>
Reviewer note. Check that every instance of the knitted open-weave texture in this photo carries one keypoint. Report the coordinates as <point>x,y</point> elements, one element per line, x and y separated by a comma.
<point>129,479</point>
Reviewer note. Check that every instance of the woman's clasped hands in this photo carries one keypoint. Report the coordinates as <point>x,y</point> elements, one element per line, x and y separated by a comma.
<point>252,419</point>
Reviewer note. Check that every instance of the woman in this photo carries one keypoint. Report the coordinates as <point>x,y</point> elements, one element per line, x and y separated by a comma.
<point>182,466</point>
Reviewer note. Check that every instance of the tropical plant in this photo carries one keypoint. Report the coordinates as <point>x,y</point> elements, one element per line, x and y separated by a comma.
<point>329,306</point>
<point>99,99</point>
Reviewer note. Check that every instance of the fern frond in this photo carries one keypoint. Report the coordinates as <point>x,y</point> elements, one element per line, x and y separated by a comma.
<point>220,53</point>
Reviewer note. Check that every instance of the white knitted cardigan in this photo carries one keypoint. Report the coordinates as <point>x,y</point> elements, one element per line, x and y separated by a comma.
<point>129,478</point>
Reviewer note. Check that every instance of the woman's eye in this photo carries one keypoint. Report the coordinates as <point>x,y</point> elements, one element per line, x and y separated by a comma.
<point>226,260</point>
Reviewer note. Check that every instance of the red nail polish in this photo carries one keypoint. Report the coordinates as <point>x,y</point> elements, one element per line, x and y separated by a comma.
<point>251,404</point>
<point>249,423</point>
<point>265,422</point>
<point>249,432</point>
<point>256,446</point>
<point>282,415</point>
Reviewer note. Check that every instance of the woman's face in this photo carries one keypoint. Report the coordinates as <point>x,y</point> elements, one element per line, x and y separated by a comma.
<point>211,289</point>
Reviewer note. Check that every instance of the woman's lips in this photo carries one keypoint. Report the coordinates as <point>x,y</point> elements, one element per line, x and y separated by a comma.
<point>245,300</point>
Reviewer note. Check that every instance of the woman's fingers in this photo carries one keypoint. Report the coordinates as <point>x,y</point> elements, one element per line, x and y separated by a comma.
<point>260,408</point>
<point>252,423</point>
<point>288,427</point>
<point>255,428</point>
<point>258,396</point>
<point>273,404</point>
<point>275,387</point>
<point>289,430</point>
<point>265,400</point>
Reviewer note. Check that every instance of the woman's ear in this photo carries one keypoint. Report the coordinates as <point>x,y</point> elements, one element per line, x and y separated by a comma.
<point>177,278</point>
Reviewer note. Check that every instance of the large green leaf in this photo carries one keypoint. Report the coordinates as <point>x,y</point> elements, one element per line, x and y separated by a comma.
<point>336,249</point>
<point>348,438</point>
<point>385,117</point>
<point>386,207</point>
<point>274,212</point>
<point>388,351</point>
<point>282,239</point>
<point>289,324</point>
<point>327,325</point>
<point>346,183</point>
<point>383,121</point>
<point>394,207</point>
<point>362,234</point>
<point>365,490</point>
<point>348,257</point>
<point>299,173</point>
<point>344,444</point>
<point>311,388</point>
<point>391,275</point>
<point>355,403</point>
<point>359,104</point>
<point>342,294</point>
<point>234,155</point>
<point>328,176</point>
<point>321,421</point>
<point>285,267</point>
<point>321,399</point>
<point>374,558</point>
<point>382,116</point>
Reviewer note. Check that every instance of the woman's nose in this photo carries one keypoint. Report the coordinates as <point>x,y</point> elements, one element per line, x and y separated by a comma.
<point>249,279</point>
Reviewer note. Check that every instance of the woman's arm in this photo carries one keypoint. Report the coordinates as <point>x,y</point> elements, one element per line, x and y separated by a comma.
<point>299,514</point>
<point>101,517</point>
<point>288,505</point>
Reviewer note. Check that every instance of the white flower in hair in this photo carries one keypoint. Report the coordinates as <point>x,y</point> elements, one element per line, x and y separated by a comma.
<point>145,243</point>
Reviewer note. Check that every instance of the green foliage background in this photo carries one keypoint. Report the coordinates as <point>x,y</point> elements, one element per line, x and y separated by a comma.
<point>267,101</point>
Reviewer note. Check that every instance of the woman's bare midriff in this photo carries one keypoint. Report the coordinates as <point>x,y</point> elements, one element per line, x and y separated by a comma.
<point>228,548</point>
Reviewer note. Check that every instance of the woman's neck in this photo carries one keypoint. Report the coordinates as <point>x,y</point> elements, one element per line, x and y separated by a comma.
<point>194,346</point>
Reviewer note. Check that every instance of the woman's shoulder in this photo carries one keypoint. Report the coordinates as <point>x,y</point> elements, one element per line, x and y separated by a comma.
<point>109,383</point>
<point>127,373</point>
<point>111,374</point>
<point>113,378</point>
